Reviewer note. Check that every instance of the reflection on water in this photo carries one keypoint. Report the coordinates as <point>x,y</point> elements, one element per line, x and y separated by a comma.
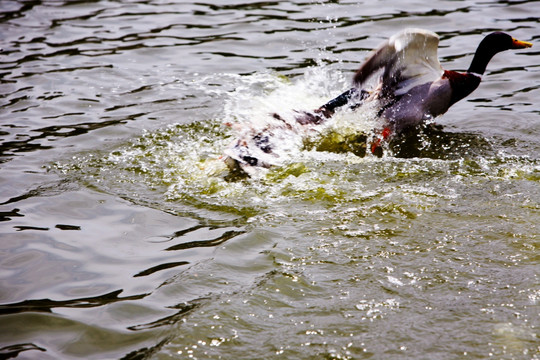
<point>123,236</point>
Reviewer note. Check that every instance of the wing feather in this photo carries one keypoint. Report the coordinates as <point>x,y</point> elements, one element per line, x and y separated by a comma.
<point>409,58</point>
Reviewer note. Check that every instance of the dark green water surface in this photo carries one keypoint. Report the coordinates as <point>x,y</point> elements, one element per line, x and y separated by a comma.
<point>121,236</point>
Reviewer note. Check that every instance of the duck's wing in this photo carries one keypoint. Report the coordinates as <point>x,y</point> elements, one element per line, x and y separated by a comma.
<point>407,59</point>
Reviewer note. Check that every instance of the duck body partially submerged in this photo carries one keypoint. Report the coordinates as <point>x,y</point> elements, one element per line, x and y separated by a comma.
<point>411,87</point>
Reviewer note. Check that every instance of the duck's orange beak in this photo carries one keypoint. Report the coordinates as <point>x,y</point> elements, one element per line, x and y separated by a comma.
<point>518,44</point>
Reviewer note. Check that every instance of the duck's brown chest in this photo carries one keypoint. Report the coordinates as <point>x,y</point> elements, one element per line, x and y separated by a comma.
<point>462,84</point>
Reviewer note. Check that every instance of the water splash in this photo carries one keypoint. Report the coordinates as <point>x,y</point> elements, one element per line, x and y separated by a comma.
<point>268,129</point>
<point>183,163</point>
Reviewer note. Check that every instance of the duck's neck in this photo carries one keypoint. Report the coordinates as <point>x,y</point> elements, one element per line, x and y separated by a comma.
<point>480,60</point>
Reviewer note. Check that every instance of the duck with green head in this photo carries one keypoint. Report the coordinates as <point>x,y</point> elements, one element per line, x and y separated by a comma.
<point>411,88</point>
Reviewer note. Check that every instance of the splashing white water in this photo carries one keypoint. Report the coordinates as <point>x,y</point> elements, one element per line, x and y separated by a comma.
<point>264,112</point>
<point>183,163</point>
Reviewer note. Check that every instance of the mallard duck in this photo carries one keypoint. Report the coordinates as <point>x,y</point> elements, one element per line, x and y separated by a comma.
<point>412,88</point>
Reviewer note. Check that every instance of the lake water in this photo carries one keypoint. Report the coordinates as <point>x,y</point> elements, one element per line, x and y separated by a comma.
<point>122,238</point>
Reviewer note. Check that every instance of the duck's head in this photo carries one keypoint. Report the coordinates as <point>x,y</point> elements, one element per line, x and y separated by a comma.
<point>492,44</point>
